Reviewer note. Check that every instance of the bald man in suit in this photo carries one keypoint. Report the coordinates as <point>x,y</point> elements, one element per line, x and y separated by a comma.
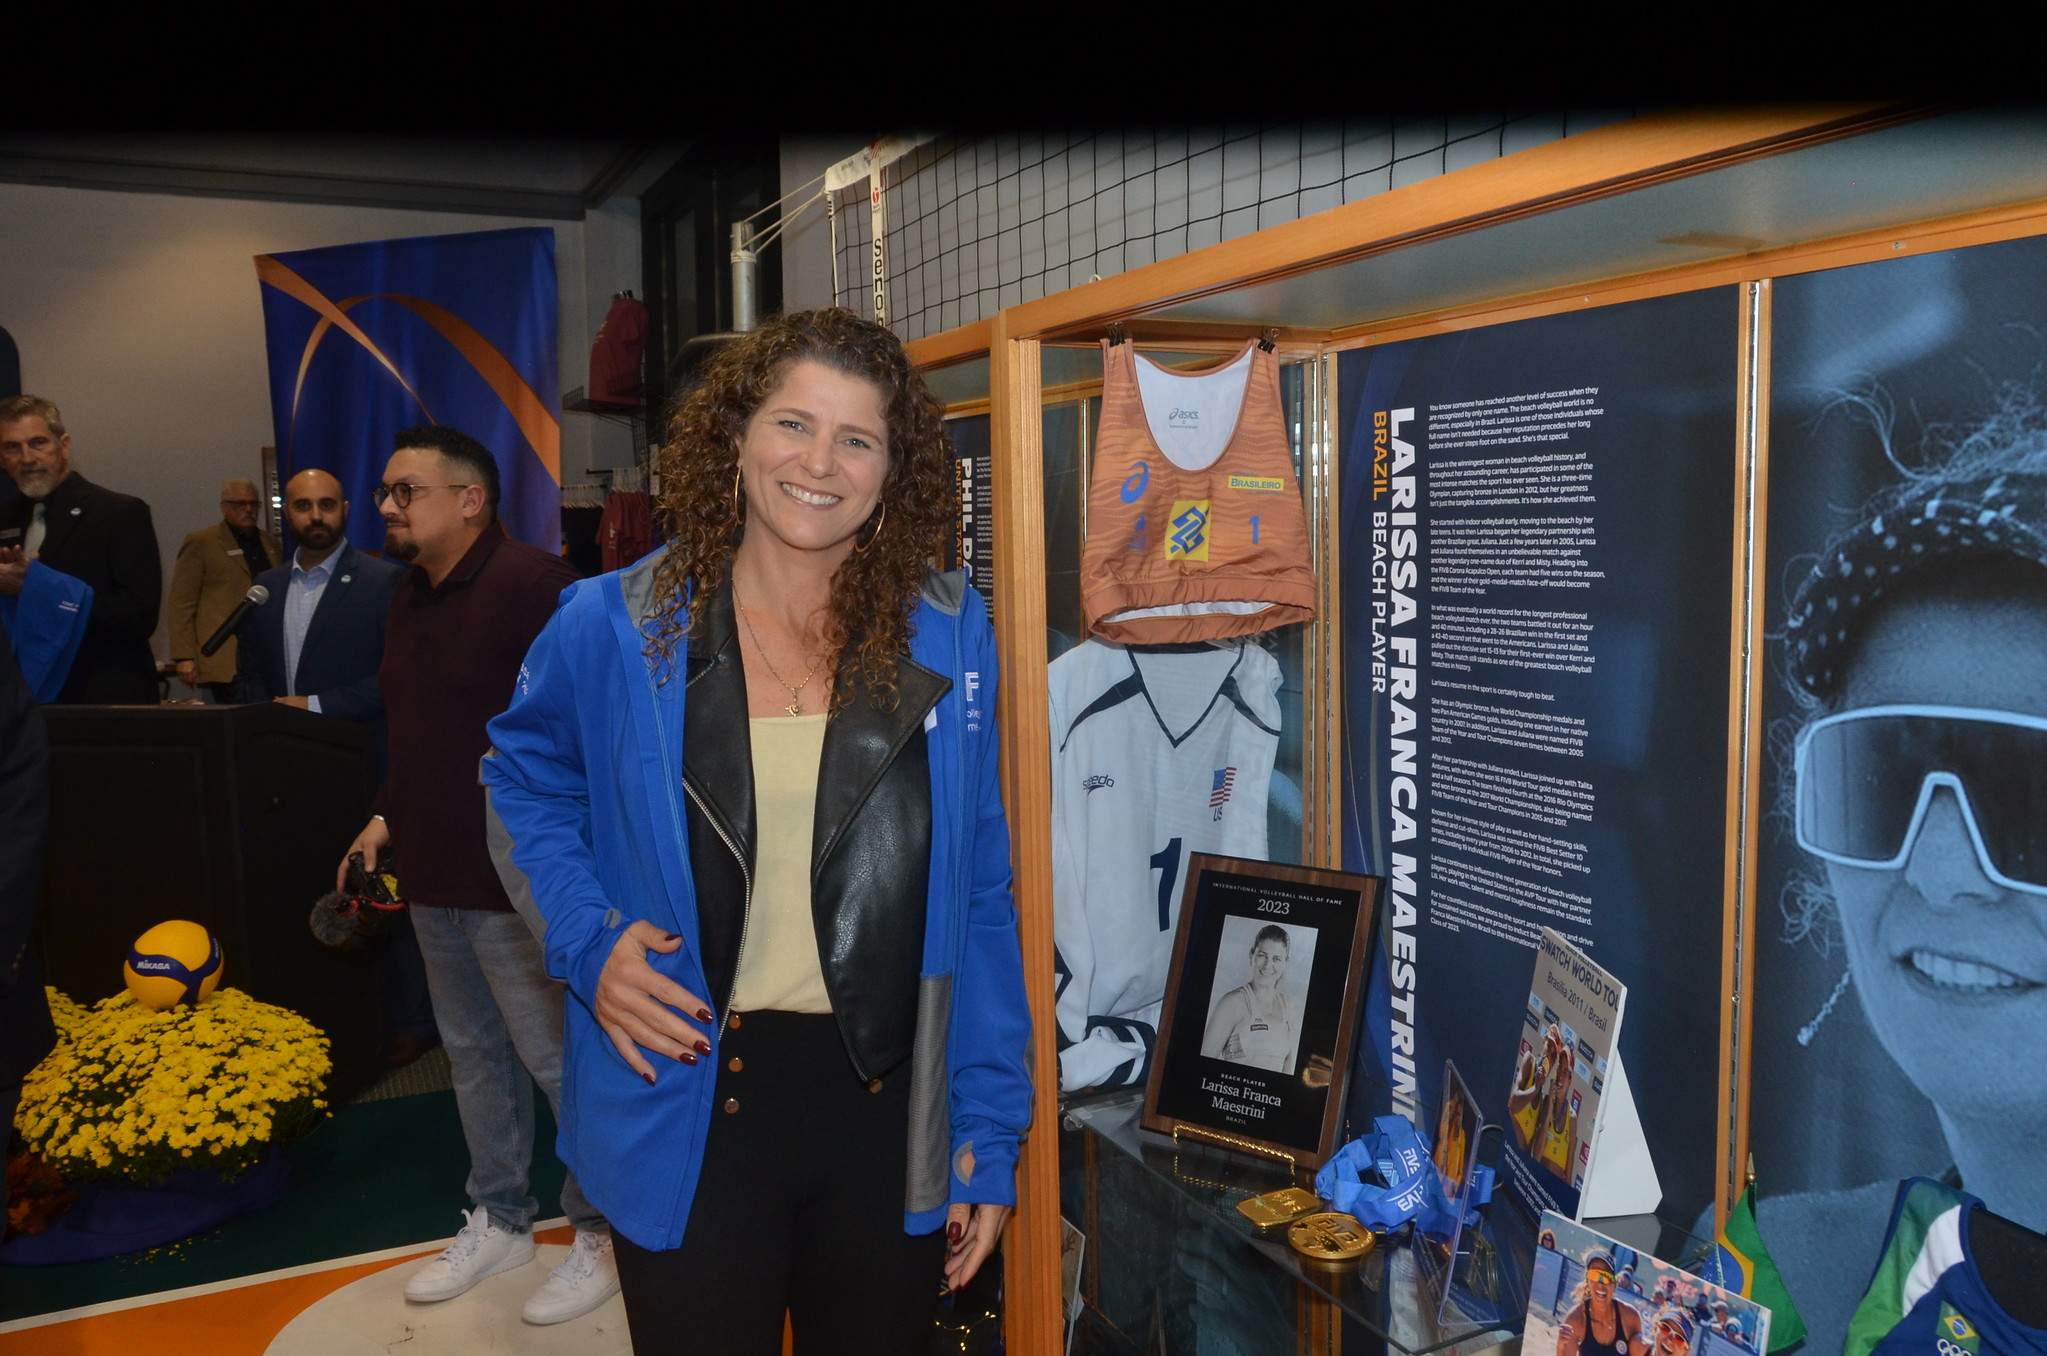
<point>215,567</point>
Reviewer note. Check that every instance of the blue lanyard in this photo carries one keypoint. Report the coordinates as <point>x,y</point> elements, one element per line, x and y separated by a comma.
<point>1408,1186</point>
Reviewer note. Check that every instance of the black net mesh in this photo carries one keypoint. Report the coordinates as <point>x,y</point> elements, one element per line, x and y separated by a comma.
<point>977,224</point>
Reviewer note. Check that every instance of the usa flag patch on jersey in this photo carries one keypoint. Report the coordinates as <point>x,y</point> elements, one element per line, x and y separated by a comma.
<point>1219,794</point>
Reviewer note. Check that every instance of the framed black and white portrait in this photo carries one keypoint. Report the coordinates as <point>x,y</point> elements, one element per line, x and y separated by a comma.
<point>1261,1005</point>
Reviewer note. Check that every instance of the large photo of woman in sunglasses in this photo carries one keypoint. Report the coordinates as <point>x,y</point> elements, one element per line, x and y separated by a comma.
<point>1901,959</point>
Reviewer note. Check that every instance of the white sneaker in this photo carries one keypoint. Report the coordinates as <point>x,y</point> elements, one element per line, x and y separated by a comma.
<point>481,1249</point>
<point>587,1277</point>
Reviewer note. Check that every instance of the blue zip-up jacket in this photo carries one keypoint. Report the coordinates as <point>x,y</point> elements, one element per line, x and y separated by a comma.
<point>47,623</point>
<point>584,803</point>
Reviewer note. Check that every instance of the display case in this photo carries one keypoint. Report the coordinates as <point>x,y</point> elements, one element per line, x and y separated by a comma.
<point>1638,229</point>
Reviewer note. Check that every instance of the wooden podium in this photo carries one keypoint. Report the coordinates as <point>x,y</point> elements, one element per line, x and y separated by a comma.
<point>231,816</point>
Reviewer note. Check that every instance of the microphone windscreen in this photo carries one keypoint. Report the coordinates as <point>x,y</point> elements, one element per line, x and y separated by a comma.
<point>258,594</point>
<point>334,924</point>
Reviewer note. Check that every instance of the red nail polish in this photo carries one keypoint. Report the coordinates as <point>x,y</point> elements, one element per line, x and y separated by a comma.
<point>672,937</point>
<point>688,1058</point>
<point>703,1047</point>
<point>953,1232</point>
<point>703,1014</point>
<point>650,1079</point>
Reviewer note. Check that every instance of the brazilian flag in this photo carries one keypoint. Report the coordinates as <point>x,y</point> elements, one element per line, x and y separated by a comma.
<point>1742,1264</point>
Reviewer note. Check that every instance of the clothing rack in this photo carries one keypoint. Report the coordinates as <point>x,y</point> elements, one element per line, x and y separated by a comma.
<point>629,479</point>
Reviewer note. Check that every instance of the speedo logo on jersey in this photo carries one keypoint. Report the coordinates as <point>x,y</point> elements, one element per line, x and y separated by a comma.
<point>1259,484</point>
<point>1188,539</point>
<point>1097,782</point>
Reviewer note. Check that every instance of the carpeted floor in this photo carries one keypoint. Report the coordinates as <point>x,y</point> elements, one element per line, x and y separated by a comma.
<point>386,1171</point>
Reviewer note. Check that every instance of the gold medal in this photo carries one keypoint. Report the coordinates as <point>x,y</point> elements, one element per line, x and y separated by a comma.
<point>1330,1236</point>
<point>1275,1208</point>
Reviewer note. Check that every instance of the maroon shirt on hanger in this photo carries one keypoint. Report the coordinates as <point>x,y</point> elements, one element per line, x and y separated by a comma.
<point>451,658</point>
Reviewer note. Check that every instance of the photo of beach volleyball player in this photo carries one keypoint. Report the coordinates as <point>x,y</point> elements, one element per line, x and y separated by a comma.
<point>1254,1014</point>
<point>1543,1106</point>
<point>1590,1295</point>
<point>1457,1127</point>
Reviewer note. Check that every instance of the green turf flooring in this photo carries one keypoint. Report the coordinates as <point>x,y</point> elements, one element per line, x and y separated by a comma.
<point>379,1174</point>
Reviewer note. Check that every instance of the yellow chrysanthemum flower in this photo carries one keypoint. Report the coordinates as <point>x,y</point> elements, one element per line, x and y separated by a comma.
<point>130,1094</point>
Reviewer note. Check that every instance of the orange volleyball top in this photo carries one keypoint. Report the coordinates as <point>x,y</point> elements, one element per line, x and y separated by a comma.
<point>1195,529</point>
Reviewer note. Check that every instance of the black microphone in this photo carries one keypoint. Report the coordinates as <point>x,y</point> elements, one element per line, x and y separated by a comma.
<point>253,599</point>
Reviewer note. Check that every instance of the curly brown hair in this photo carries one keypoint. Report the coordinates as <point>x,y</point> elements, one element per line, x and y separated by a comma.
<point>876,587</point>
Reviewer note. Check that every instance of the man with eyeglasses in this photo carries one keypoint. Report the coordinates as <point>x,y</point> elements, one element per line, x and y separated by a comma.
<point>460,626</point>
<point>214,569</point>
<point>317,645</point>
<point>72,548</point>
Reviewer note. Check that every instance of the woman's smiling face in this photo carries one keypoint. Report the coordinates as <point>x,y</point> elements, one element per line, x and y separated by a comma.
<point>1268,962</point>
<point>1951,967</point>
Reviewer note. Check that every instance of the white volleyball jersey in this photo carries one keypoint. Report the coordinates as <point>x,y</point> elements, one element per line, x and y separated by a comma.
<point>1157,753</point>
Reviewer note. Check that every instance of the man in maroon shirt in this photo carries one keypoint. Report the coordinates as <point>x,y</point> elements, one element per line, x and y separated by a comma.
<point>460,627</point>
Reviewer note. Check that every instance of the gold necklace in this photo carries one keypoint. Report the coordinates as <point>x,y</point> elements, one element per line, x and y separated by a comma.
<point>794,707</point>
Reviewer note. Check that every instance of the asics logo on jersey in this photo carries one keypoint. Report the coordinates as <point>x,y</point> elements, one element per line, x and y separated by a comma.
<point>1178,418</point>
<point>1134,483</point>
<point>1097,782</point>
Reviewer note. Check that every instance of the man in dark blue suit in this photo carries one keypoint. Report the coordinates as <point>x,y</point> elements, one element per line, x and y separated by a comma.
<point>318,642</point>
<point>317,645</point>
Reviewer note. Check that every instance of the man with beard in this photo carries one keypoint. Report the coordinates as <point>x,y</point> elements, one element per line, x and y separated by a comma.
<point>102,544</point>
<point>461,624</point>
<point>317,645</point>
<point>318,642</point>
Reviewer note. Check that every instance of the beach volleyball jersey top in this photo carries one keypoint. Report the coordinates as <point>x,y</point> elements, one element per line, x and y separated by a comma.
<point>1195,526</point>
<point>1155,755</point>
<point>1928,1297</point>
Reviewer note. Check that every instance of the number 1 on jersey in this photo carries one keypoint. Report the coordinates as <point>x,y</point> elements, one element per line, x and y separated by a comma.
<point>1167,862</point>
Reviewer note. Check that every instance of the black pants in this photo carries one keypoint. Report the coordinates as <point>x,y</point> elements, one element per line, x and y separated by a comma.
<point>799,1206</point>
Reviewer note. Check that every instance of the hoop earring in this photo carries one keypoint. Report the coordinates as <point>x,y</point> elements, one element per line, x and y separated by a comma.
<point>735,495</point>
<point>880,524</point>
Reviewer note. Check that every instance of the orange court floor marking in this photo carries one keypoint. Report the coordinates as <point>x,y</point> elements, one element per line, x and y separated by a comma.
<point>237,1317</point>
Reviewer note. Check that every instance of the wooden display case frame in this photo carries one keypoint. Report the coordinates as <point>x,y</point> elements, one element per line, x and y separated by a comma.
<point>1602,166</point>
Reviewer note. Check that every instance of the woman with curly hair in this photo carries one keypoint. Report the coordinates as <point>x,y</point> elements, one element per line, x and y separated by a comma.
<point>746,792</point>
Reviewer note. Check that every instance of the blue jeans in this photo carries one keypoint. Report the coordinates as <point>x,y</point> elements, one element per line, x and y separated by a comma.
<point>501,1019</point>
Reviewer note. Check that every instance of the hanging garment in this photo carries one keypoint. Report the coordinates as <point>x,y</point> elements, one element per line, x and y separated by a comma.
<point>1929,1293</point>
<point>626,531</point>
<point>1156,754</point>
<point>1195,526</point>
<point>616,355</point>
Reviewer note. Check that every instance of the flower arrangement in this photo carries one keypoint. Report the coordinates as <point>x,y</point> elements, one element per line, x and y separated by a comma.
<point>132,1095</point>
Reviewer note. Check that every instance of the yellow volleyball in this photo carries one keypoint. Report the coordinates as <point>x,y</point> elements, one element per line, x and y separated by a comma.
<point>172,963</point>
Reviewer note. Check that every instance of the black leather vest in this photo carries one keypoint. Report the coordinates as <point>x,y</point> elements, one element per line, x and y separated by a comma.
<point>870,845</point>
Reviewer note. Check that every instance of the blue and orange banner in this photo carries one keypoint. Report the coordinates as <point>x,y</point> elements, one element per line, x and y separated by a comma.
<point>365,340</point>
